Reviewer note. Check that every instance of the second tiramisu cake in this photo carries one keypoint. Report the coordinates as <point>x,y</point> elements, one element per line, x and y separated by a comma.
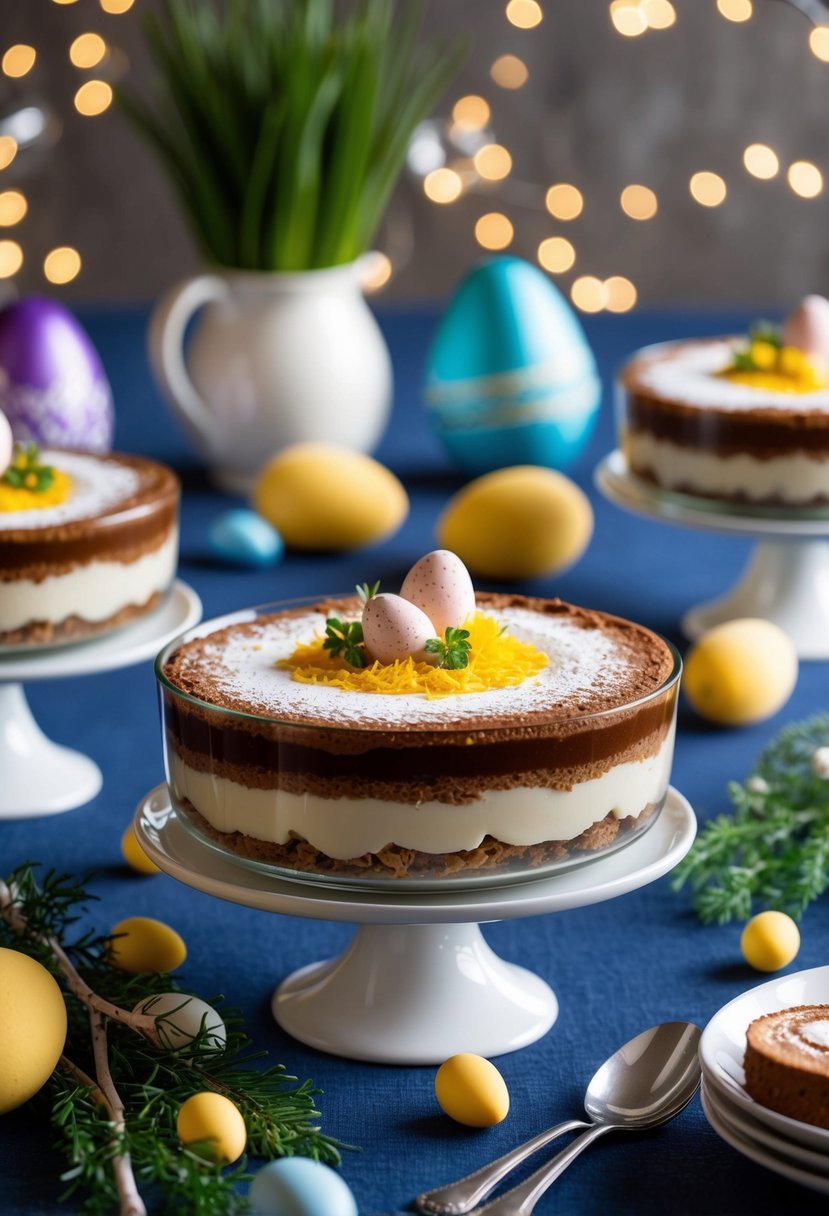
<point>530,732</point>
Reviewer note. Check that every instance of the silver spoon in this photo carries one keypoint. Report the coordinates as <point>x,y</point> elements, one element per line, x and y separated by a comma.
<point>643,1084</point>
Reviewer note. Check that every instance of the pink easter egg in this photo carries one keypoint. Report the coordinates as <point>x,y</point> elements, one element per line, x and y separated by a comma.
<point>807,328</point>
<point>395,629</point>
<point>439,584</point>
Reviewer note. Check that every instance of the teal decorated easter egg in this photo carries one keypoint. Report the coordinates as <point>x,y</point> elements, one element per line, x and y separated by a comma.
<point>297,1186</point>
<point>242,538</point>
<point>510,377</point>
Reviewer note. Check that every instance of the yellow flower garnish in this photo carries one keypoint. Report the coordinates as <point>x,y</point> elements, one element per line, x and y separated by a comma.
<point>22,498</point>
<point>496,660</point>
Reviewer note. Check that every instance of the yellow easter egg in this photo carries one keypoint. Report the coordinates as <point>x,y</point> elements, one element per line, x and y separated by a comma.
<point>515,523</point>
<point>141,944</point>
<point>741,672</point>
<point>32,1027</point>
<point>470,1090</point>
<point>213,1122</point>
<point>134,855</point>
<point>770,941</point>
<point>324,497</point>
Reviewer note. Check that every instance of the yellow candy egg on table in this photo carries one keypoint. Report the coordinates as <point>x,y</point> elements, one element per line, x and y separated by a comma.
<point>213,1123</point>
<point>32,1027</point>
<point>515,523</point>
<point>770,941</point>
<point>141,944</point>
<point>134,855</point>
<point>470,1090</point>
<point>741,672</point>
<point>323,497</point>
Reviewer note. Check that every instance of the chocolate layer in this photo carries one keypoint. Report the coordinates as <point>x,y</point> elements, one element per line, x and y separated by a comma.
<point>726,432</point>
<point>120,533</point>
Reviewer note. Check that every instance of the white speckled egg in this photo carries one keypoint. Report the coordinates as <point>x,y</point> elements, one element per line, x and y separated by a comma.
<point>807,328</point>
<point>6,444</point>
<point>297,1186</point>
<point>439,584</point>
<point>180,1018</point>
<point>393,629</point>
<point>510,377</point>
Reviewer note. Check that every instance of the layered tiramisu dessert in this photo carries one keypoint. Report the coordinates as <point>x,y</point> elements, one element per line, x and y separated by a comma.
<point>736,419</point>
<point>391,737</point>
<point>787,1062</point>
<point>87,543</point>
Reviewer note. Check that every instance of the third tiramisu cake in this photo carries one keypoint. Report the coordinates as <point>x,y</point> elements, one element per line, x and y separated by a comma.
<point>743,420</point>
<point>428,733</point>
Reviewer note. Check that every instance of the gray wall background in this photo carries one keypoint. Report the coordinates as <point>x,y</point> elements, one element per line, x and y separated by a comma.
<point>599,110</point>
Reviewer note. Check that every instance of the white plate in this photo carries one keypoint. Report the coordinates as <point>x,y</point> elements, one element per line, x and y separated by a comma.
<point>133,643</point>
<point>756,1152</point>
<point>723,1044</point>
<point>752,1129</point>
<point>179,853</point>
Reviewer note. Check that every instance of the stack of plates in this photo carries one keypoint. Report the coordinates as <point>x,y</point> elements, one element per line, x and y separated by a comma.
<point>796,1150</point>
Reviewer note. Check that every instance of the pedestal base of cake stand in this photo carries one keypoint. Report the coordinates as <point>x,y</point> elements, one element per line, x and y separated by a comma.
<point>415,993</point>
<point>786,580</point>
<point>418,982</point>
<point>39,777</point>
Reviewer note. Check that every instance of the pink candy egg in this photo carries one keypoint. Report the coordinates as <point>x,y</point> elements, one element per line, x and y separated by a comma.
<point>807,328</point>
<point>439,584</point>
<point>393,629</point>
<point>6,444</point>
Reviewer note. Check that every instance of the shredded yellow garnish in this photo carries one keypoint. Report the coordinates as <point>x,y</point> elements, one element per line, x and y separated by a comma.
<point>783,369</point>
<point>496,660</point>
<point>21,498</point>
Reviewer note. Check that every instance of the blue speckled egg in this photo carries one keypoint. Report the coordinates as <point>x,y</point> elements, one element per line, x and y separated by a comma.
<point>53,388</point>
<point>243,538</point>
<point>511,379</point>
<point>297,1186</point>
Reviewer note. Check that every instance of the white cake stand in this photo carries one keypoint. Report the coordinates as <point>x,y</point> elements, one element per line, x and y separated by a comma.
<point>37,776</point>
<point>787,577</point>
<point>418,982</point>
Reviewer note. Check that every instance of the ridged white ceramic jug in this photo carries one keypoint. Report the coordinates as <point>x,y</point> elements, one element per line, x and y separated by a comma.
<point>275,359</point>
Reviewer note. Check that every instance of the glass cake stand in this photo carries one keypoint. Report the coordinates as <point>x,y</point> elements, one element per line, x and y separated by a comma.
<point>787,577</point>
<point>37,776</point>
<point>418,982</point>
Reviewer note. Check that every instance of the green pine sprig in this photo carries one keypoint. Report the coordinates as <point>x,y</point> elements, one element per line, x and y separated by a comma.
<point>452,650</point>
<point>280,1114</point>
<point>344,639</point>
<point>772,851</point>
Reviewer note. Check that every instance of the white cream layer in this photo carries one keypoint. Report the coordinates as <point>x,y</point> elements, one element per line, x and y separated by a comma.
<point>793,478</point>
<point>349,827</point>
<point>94,592</point>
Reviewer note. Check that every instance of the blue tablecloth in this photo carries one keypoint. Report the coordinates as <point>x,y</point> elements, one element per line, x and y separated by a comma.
<point>617,967</point>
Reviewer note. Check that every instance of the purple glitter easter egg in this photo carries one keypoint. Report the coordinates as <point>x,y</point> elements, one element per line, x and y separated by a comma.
<point>53,388</point>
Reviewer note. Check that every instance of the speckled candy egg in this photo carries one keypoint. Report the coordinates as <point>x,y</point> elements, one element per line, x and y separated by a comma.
<point>297,1186</point>
<point>32,1027</point>
<point>510,376</point>
<point>53,388</point>
<point>6,444</point>
<point>395,629</point>
<point>807,328</point>
<point>439,584</point>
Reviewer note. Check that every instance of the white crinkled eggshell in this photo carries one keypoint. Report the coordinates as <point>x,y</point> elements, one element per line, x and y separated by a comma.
<point>439,584</point>
<point>6,443</point>
<point>182,1018</point>
<point>394,628</point>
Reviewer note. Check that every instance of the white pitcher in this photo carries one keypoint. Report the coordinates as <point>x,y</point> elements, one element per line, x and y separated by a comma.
<point>275,359</point>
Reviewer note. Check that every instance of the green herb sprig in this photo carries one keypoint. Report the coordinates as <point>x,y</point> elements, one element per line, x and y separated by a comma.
<point>152,1081</point>
<point>773,850</point>
<point>26,472</point>
<point>284,126</point>
<point>344,639</point>
<point>453,649</point>
<point>762,331</point>
<point>367,591</point>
